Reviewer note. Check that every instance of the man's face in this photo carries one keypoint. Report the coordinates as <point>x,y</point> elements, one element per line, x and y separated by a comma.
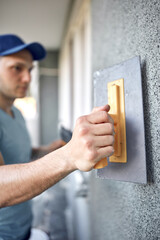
<point>15,74</point>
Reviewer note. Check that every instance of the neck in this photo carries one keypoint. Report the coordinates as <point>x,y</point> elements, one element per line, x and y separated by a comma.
<point>6,103</point>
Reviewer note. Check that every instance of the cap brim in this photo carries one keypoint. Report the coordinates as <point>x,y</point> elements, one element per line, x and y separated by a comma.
<point>37,51</point>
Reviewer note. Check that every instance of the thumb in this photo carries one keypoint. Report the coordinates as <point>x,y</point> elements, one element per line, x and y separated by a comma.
<point>102,108</point>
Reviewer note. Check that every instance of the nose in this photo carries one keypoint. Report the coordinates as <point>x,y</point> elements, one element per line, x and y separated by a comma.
<point>26,77</point>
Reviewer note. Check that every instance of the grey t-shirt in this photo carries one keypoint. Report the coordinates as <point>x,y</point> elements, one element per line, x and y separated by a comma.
<point>15,147</point>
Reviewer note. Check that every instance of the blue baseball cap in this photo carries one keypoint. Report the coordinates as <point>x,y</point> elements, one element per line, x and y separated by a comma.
<point>10,43</point>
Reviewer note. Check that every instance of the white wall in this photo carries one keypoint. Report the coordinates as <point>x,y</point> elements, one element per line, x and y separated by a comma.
<point>35,20</point>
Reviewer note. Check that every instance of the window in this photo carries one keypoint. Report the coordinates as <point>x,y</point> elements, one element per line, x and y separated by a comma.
<point>75,67</point>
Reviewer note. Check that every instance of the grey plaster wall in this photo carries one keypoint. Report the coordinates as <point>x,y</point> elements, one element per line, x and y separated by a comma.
<point>121,30</point>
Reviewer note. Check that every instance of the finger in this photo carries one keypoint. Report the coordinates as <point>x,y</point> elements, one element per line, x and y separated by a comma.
<point>102,108</point>
<point>99,117</point>
<point>105,151</point>
<point>103,129</point>
<point>111,120</point>
<point>103,141</point>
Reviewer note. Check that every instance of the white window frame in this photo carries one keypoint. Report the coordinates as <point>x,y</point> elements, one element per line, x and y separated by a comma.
<point>75,86</point>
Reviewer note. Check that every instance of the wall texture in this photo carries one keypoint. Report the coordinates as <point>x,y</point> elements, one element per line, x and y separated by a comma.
<point>121,30</point>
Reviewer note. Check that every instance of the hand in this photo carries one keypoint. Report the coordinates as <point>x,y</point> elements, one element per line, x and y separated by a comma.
<point>92,140</point>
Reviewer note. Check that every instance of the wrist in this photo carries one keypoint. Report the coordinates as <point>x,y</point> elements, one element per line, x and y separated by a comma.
<point>67,158</point>
<point>64,160</point>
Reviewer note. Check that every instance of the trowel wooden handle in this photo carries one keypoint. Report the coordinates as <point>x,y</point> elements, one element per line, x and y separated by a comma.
<point>117,112</point>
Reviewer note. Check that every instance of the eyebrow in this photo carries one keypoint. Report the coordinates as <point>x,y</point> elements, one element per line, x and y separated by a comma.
<point>22,64</point>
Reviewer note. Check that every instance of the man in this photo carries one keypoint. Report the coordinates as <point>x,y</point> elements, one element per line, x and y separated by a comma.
<point>21,180</point>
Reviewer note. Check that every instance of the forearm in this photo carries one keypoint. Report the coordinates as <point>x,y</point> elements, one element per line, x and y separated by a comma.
<point>21,182</point>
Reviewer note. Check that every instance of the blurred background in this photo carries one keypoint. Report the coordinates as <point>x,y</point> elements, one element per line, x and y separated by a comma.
<point>60,92</point>
<point>82,36</point>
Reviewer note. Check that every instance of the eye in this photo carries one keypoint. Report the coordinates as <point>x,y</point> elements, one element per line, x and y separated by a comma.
<point>30,69</point>
<point>17,68</point>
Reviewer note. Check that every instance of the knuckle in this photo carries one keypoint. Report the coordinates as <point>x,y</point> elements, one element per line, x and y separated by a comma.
<point>83,130</point>
<point>81,120</point>
<point>88,143</point>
